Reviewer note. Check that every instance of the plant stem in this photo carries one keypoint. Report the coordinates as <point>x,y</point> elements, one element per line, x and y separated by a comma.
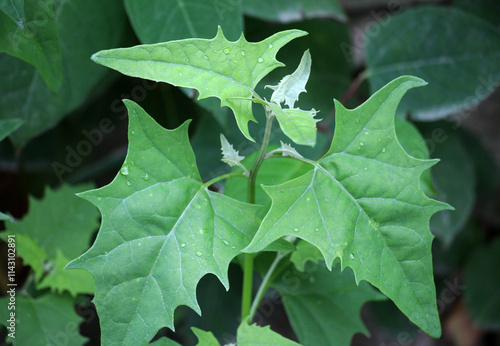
<point>265,284</point>
<point>248,262</point>
<point>224,176</point>
<point>353,87</point>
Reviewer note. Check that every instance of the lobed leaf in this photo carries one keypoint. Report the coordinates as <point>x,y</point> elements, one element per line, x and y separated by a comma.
<point>47,320</point>
<point>162,230</point>
<point>56,228</point>
<point>363,202</point>
<point>216,67</point>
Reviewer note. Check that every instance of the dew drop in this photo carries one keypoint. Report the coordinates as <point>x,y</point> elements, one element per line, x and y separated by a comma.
<point>128,183</point>
<point>203,231</point>
<point>295,229</point>
<point>270,46</point>
<point>260,60</point>
<point>199,253</point>
<point>366,132</point>
<point>145,176</point>
<point>124,170</point>
<point>356,121</point>
<point>365,169</point>
<point>132,132</point>
<point>243,53</point>
<point>225,242</point>
<point>316,230</point>
<point>226,50</point>
<point>379,140</point>
<point>361,144</point>
<point>351,256</point>
<point>183,244</point>
<point>205,57</point>
<point>383,150</point>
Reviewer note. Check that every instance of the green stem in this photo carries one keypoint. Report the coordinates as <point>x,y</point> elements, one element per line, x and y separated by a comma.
<point>265,284</point>
<point>224,176</point>
<point>248,262</point>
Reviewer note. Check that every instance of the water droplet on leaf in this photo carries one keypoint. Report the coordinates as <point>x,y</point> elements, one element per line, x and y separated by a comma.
<point>226,50</point>
<point>270,46</point>
<point>383,150</point>
<point>124,170</point>
<point>199,253</point>
<point>146,176</point>
<point>225,242</point>
<point>351,256</point>
<point>183,244</point>
<point>243,53</point>
<point>295,229</point>
<point>361,143</point>
<point>260,60</point>
<point>205,57</point>
<point>203,231</point>
<point>357,121</point>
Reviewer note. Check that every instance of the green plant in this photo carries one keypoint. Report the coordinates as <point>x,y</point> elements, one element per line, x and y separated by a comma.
<point>63,130</point>
<point>163,229</point>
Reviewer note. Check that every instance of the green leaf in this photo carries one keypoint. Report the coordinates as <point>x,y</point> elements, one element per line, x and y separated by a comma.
<point>253,335</point>
<point>216,67</point>
<point>160,21</point>
<point>8,126</point>
<point>57,228</point>
<point>84,28</point>
<point>53,229</point>
<point>15,10</point>
<point>305,252</point>
<point>324,306</point>
<point>74,281</point>
<point>481,282</point>
<point>363,202</point>
<point>292,85</point>
<point>414,144</point>
<point>33,38</point>
<point>29,250</point>
<point>162,230</point>
<point>297,124</point>
<point>205,338</point>
<point>441,46</point>
<point>47,320</point>
<point>286,11</point>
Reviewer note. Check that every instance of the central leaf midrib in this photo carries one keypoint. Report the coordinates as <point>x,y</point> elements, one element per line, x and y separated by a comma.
<point>201,70</point>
